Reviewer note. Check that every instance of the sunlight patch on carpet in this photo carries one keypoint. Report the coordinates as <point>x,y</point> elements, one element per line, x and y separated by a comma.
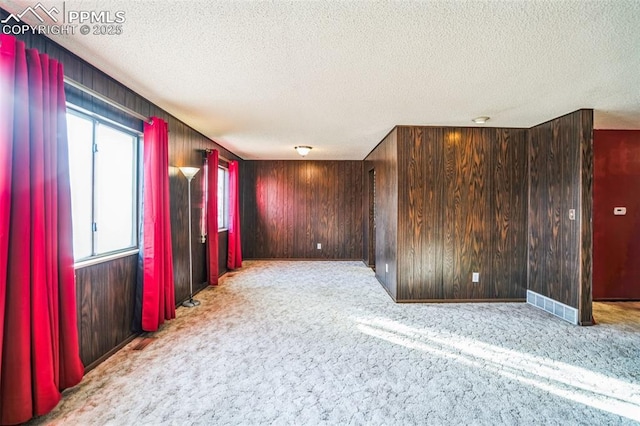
<point>574,383</point>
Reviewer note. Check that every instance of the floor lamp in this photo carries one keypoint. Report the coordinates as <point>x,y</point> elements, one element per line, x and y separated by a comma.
<point>189,173</point>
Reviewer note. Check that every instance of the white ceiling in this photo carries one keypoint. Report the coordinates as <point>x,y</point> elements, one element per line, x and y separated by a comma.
<point>262,77</point>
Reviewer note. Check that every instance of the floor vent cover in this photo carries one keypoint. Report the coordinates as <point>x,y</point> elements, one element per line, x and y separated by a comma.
<point>556,308</point>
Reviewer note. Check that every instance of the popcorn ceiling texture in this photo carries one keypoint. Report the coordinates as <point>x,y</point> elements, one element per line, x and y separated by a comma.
<point>262,77</point>
<point>310,343</point>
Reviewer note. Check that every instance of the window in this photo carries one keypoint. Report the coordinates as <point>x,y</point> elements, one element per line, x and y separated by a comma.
<point>223,198</point>
<point>103,161</point>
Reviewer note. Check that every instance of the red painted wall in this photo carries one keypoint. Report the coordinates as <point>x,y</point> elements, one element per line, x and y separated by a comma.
<point>616,243</point>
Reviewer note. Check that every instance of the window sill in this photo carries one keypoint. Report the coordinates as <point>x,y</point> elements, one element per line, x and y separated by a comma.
<point>223,230</point>
<point>102,259</point>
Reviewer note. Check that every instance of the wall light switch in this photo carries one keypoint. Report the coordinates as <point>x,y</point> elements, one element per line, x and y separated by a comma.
<point>475,277</point>
<point>319,246</point>
<point>619,211</point>
<point>386,267</point>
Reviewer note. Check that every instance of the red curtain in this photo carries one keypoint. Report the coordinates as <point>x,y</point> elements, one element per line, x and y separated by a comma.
<point>234,259</point>
<point>39,353</point>
<point>212,217</point>
<point>158,294</point>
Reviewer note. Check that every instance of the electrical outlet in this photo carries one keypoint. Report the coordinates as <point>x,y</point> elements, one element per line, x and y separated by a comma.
<point>319,246</point>
<point>475,277</point>
<point>620,211</point>
<point>572,214</point>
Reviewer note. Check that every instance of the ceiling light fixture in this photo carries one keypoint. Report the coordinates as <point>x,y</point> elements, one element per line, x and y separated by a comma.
<point>480,120</point>
<point>303,149</point>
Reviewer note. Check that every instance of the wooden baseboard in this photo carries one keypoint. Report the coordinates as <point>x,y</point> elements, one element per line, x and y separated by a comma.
<point>198,290</point>
<point>367,264</point>
<point>132,336</point>
<point>104,357</point>
<point>407,301</point>
<point>386,289</point>
<point>616,299</point>
<point>306,259</point>
<point>461,300</point>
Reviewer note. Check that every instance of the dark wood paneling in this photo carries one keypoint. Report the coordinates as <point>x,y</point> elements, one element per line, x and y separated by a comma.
<point>105,294</point>
<point>544,211</point>
<point>585,133</point>
<point>450,201</point>
<point>537,179</point>
<point>509,211</point>
<point>183,142</point>
<point>223,246</point>
<point>368,218</point>
<point>384,160</point>
<point>468,213</point>
<point>560,179</point>
<point>249,215</point>
<point>183,145</point>
<point>420,200</point>
<point>568,130</point>
<point>616,239</point>
<point>290,206</point>
<point>462,204</point>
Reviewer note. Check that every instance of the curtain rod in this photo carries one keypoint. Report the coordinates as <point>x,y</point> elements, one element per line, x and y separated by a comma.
<point>206,151</point>
<point>104,99</point>
<point>122,108</point>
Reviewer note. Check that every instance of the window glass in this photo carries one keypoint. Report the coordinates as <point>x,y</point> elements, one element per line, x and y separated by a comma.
<point>115,189</point>
<point>103,163</point>
<point>80,133</point>
<point>223,197</point>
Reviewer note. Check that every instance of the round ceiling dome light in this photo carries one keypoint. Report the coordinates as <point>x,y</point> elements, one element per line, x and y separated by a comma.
<point>480,120</point>
<point>303,149</point>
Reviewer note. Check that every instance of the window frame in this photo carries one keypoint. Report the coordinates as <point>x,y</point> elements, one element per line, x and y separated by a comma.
<point>225,197</point>
<point>97,119</point>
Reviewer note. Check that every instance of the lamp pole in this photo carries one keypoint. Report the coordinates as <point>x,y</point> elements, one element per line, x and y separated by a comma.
<point>189,173</point>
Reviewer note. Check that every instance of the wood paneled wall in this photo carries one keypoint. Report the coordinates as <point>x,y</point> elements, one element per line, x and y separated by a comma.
<point>454,201</point>
<point>223,241</point>
<point>462,209</point>
<point>291,206</point>
<point>105,294</point>
<point>184,144</point>
<point>560,179</point>
<point>110,282</point>
<point>384,160</point>
<point>616,239</point>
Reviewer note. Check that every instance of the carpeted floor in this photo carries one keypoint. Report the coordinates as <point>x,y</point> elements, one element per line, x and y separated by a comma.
<point>306,343</point>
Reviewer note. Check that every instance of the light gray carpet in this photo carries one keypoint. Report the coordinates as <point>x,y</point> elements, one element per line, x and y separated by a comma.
<point>321,343</point>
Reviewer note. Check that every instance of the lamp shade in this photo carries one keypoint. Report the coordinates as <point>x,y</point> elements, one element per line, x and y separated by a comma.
<point>189,172</point>
<point>303,150</point>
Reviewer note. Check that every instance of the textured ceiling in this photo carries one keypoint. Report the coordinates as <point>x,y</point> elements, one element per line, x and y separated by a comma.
<point>262,77</point>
